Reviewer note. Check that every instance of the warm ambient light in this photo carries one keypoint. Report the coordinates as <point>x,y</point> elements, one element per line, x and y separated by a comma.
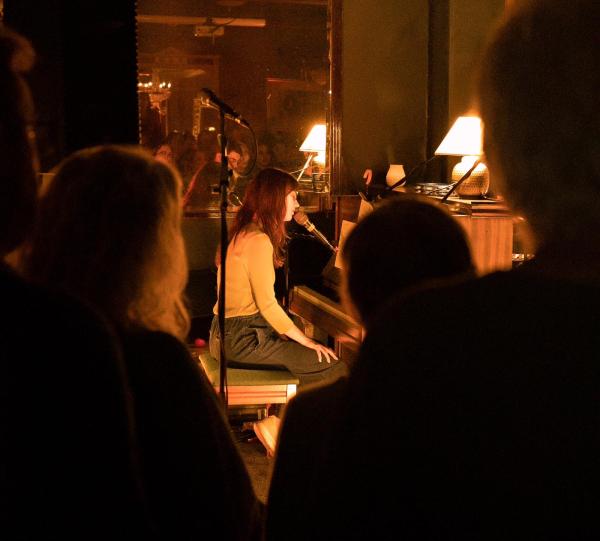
<point>465,139</point>
<point>320,158</point>
<point>316,140</point>
<point>316,144</point>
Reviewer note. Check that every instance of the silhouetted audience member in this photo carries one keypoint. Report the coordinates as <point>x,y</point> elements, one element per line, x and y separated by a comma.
<point>474,408</point>
<point>183,154</point>
<point>164,153</point>
<point>264,157</point>
<point>238,157</point>
<point>188,164</point>
<point>180,142</point>
<point>208,146</point>
<point>129,262</point>
<point>285,152</point>
<point>203,189</point>
<point>405,243</point>
<point>67,457</point>
<point>152,126</point>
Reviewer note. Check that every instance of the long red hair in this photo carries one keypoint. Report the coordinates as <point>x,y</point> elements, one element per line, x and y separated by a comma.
<point>264,204</point>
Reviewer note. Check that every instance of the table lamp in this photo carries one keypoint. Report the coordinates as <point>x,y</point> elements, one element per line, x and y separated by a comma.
<point>315,144</point>
<point>465,139</point>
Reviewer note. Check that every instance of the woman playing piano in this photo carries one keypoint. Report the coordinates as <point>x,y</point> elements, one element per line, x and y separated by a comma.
<point>257,330</point>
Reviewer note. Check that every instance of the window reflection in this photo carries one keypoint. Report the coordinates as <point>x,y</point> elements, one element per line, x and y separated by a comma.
<point>268,59</point>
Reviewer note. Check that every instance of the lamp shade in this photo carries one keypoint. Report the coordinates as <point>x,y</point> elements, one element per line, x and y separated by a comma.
<point>463,139</point>
<point>316,140</point>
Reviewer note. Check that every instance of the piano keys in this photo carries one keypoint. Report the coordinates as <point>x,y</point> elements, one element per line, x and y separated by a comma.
<point>321,314</point>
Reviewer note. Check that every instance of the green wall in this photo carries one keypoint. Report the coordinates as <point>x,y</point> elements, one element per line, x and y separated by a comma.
<point>407,72</point>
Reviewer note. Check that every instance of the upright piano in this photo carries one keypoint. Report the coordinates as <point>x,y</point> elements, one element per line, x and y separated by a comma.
<point>488,225</point>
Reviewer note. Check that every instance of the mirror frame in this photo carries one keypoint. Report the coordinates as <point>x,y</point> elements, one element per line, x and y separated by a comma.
<point>334,122</point>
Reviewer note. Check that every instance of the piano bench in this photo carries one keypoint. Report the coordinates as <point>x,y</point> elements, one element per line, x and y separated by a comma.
<point>249,387</point>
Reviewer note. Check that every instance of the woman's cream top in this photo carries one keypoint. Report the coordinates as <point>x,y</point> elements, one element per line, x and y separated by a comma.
<point>250,280</point>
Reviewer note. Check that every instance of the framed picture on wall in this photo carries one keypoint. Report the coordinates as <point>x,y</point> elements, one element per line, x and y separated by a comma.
<point>294,106</point>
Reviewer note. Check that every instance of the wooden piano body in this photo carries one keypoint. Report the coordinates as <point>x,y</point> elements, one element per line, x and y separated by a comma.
<point>324,317</point>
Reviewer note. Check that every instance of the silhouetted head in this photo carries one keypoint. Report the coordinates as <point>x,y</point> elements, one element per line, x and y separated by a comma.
<point>180,142</point>
<point>405,242</point>
<point>239,157</point>
<point>164,153</point>
<point>264,156</point>
<point>109,232</point>
<point>538,98</point>
<point>208,145</point>
<point>18,160</point>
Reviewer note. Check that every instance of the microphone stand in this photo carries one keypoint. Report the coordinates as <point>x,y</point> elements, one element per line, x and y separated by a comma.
<point>224,110</point>
<point>224,192</point>
<point>286,275</point>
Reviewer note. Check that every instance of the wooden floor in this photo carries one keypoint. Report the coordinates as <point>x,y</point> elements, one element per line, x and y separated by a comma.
<point>259,465</point>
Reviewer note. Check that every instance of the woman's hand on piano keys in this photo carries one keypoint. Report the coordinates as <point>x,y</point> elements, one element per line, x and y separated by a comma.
<point>322,351</point>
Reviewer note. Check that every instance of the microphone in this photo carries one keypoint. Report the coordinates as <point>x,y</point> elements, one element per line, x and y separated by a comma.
<point>302,219</point>
<point>213,100</point>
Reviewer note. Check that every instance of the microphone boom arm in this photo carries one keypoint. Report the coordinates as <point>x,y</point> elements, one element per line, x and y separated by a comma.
<point>214,101</point>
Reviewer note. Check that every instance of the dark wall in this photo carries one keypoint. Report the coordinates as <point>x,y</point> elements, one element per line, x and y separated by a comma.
<point>85,78</point>
<point>407,72</point>
<point>469,25</point>
<point>384,82</point>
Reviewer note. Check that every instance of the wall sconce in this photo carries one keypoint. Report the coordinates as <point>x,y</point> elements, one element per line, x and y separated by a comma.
<point>465,139</point>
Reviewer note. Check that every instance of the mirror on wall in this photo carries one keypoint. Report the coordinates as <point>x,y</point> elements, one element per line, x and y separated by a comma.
<point>266,59</point>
